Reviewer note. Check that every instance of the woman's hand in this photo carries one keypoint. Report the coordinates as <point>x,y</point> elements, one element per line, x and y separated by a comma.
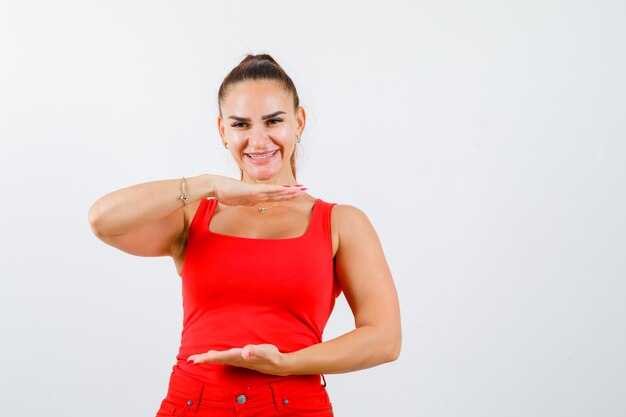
<point>238,193</point>
<point>264,358</point>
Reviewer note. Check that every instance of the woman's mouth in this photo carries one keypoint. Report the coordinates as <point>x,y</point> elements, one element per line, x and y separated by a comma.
<point>261,157</point>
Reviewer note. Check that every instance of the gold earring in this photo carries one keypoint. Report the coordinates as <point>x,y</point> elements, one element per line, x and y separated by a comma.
<point>226,146</point>
<point>298,138</point>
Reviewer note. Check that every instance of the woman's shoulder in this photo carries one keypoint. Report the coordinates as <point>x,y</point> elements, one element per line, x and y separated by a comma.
<point>350,227</point>
<point>346,216</point>
<point>343,210</point>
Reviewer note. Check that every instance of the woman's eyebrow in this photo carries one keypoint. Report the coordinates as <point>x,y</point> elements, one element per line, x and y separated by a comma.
<point>247,119</point>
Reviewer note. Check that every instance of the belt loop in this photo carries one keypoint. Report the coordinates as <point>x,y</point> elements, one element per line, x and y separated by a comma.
<point>324,379</point>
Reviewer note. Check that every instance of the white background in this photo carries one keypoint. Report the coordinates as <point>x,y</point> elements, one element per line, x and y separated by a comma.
<point>486,141</point>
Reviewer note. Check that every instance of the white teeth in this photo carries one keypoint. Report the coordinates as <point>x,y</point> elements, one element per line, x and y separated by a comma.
<point>262,156</point>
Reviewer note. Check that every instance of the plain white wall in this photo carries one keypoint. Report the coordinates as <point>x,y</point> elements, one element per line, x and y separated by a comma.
<point>486,140</point>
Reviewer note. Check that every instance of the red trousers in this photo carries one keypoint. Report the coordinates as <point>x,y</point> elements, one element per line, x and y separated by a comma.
<point>297,395</point>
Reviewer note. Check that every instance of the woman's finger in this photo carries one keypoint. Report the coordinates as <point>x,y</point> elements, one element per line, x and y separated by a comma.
<point>246,352</point>
<point>281,197</point>
<point>280,194</point>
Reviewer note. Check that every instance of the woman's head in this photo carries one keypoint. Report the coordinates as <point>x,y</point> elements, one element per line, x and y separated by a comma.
<point>260,119</point>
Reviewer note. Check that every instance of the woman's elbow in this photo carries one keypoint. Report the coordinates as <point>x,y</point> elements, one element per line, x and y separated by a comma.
<point>395,350</point>
<point>394,347</point>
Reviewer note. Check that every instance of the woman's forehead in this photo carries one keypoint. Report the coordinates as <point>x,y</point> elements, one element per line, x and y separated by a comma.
<point>254,88</point>
<point>263,96</point>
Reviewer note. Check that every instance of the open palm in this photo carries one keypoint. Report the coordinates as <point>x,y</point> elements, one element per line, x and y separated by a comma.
<point>238,193</point>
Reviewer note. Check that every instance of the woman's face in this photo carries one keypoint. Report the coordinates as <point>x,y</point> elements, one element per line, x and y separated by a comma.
<point>259,124</point>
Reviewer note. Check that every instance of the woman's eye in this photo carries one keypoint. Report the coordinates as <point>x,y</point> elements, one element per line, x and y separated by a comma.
<point>270,121</point>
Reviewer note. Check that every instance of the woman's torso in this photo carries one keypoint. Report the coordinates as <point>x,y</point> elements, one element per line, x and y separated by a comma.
<point>254,289</point>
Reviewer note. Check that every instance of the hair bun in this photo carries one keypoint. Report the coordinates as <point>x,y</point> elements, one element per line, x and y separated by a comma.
<point>259,57</point>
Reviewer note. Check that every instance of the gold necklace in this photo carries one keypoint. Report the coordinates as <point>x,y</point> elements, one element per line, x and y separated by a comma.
<point>263,210</point>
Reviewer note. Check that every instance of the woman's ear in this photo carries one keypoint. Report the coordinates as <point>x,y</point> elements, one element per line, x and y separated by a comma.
<point>301,119</point>
<point>220,126</point>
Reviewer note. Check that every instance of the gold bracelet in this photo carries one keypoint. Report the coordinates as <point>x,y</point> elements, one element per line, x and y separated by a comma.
<point>183,195</point>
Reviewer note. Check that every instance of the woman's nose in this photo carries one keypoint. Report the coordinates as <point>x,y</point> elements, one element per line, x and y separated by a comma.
<point>258,137</point>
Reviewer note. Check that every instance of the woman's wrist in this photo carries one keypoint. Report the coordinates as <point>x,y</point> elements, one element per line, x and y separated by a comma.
<point>196,187</point>
<point>287,365</point>
<point>296,363</point>
<point>209,185</point>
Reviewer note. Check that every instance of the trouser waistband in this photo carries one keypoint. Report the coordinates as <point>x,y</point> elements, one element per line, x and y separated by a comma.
<point>194,392</point>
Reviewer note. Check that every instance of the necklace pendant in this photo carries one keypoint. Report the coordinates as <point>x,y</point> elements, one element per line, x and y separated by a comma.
<point>261,210</point>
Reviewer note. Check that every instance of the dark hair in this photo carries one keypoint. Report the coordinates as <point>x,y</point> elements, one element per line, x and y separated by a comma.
<point>259,67</point>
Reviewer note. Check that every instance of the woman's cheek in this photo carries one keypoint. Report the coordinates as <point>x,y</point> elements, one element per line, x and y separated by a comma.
<point>237,139</point>
<point>284,131</point>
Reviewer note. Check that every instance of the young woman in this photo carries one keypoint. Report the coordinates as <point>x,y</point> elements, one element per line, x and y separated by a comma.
<point>261,262</point>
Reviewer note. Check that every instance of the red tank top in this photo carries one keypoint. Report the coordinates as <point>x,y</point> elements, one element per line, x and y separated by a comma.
<point>238,291</point>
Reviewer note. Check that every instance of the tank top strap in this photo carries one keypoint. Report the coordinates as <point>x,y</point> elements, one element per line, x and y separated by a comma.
<point>320,221</point>
<point>203,214</point>
<point>210,207</point>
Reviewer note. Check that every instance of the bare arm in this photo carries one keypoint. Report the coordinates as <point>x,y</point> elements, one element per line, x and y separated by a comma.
<point>149,219</point>
<point>146,219</point>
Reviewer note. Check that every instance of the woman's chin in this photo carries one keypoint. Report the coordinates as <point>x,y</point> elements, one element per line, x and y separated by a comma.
<point>263,174</point>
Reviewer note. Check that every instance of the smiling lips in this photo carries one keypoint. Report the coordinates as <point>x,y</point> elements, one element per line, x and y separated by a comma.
<point>261,156</point>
